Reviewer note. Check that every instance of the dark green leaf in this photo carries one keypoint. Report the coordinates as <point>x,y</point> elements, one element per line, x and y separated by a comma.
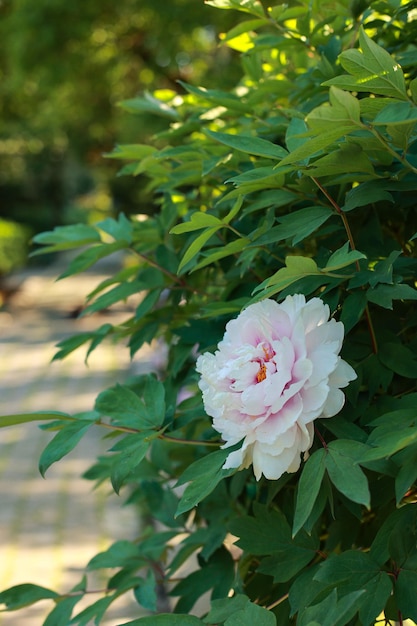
<point>23,595</point>
<point>405,594</point>
<point>119,554</point>
<point>145,593</point>
<point>399,359</point>
<point>203,476</point>
<point>225,607</point>
<point>63,442</point>
<point>39,416</point>
<point>129,457</point>
<point>125,408</point>
<point>90,256</point>
<point>383,295</point>
<point>165,619</point>
<point>251,614</point>
<point>347,477</point>
<point>308,488</point>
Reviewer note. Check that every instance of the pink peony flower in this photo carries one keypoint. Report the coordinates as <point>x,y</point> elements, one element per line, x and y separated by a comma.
<point>276,370</point>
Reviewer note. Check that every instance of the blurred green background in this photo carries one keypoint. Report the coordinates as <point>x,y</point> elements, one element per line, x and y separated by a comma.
<point>64,67</point>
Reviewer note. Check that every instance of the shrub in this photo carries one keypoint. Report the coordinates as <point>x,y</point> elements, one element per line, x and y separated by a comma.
<point>301,180</point>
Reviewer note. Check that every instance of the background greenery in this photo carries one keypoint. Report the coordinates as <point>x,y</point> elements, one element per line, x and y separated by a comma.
<point>299,179</point>
<point>64,67</point>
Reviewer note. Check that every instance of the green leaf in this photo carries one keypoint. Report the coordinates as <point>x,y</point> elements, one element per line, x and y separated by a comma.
<point>131,450</point>
<point>120,229</point>
<point>296,267</point>
<point>149,104</point>
<point>372,70</point>
<point>308,488</point>
<point>196,246</point>
<point>198,221</point>
<point>383,295</point>
<point>145,593</point>
<point>331,611</point>
<point>131,152</point>
<point>119,554</point>
<point>119,293</point>
<point>343,109</point>
<point>366,193</point>
<point>23,595</point>
<point>399,359</point>
<point>218,97</point>
<point>343,257</point>
<point>405,595</point>
<point>392,436</point>
<point>303,222</point>
<point>165,619</point>
<point>232,248</point>
<point>249,145</point>
<point>203,476</point>
<point>396,113</point>
<point>224,608</point>
<point>251,614</point>
<point>87,258</point>
<point>40,416</point>
<point>63,237</point>
<point>61,614</point>
<point>247,6</point>
<point>125,408</point>
<point>63,442</point>
<point>94,611</point>
<point>354,571</point>
<point>255,532</point>
<point>352,309</point>
<point>347,477</point>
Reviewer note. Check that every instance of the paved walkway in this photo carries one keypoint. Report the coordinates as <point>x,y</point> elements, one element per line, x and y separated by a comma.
<point>49,529</point>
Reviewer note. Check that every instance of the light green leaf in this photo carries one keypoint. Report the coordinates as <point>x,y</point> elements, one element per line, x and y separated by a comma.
<point>149,104</point>
<point>308,488</point>
<point>296,267</point>
<point>217,97</point>
<point>234,247</point>
<point>196,246</point>
<point>131,152</point>
<point>250,145</point>
<point>198,221</point>
<point>247,6</point>
<point>372,70</point>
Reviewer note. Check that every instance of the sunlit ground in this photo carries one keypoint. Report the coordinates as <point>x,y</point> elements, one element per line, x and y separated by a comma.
<point>51,528</point>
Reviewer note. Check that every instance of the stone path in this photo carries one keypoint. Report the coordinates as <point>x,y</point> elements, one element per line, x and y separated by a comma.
<point>50,528</point>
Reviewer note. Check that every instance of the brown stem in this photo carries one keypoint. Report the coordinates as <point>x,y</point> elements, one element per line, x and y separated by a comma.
<point>319,435</point>
<point>277,602</point>
<point>135,431</point>
<point>353,247</point>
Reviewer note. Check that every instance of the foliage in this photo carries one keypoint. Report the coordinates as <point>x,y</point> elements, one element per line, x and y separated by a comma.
<point>301,179</point>
<point>63,68</point>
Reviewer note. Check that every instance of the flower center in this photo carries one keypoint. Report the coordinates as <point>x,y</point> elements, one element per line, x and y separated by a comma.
<point>261,375</point>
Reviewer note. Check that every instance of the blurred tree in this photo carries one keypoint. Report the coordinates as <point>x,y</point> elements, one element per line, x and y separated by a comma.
<point>63,68</point>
